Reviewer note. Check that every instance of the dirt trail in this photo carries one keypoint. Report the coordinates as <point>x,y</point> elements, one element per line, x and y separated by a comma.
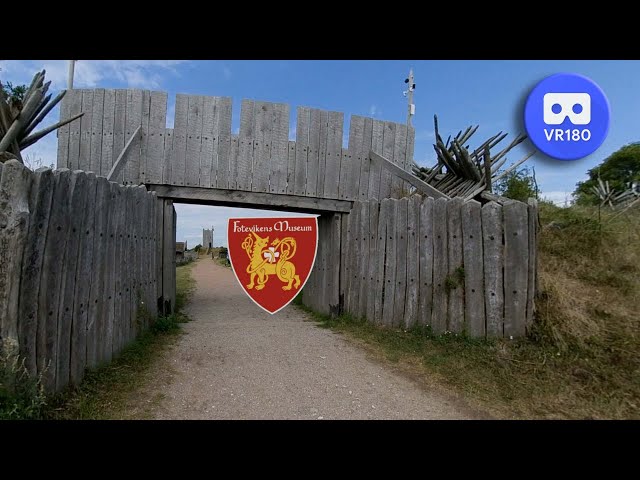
<point>238,362</point>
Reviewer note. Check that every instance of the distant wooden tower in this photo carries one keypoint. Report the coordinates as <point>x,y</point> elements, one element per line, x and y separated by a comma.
<point>207,238</point>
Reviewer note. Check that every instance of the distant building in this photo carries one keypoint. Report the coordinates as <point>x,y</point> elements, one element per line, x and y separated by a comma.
<point>207,238</point>
<point>181,247</point>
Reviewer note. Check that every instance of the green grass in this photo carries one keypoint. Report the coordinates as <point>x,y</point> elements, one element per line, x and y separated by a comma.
<point>106,391</point>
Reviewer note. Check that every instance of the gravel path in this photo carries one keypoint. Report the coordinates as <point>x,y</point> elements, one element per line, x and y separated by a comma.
<point>238,362</point>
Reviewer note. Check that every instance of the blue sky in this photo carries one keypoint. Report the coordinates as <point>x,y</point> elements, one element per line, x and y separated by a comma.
<point>461,92</point>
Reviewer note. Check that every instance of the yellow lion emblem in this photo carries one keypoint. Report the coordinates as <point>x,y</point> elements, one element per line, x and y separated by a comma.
<point>271,259</point>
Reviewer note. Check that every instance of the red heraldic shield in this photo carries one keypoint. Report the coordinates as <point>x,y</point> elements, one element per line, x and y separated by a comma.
<point>272,257</point>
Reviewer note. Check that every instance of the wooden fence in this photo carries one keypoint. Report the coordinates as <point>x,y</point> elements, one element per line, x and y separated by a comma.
<point>80,268</point>
<point>452,265</point>
<point>200,151</point>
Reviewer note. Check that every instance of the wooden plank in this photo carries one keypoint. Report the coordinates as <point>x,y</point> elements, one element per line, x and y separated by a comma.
<point>194,140</point>
<point>313,152</point>
<point>399,158</point>
<point>352,258</point>
<point>158,254</point>
<point>334,276</point>
<point>423,187</point>
<point>173,258</point>
<point>333,153</point>
<point>381,241</point>
<point>15,191</point>
<point>388,147</point>
<point>473,269</point>
<point>169,156</point>
<point>108,118</point>
<point>411,140</point>
<point>322,152</point>
<point>132,219</point>
<point>246,145</point>
<point>208,162</point>
<point>516,262</point>
<point>375,169</point>
<point>32,263</point>
<point>168,256</point>
<point>120,164</point>
<point>84,158</point>
<point>152,300</point>
<point>372,260</point>
<point>120,302</point>
<point>83,283</point>
<point>179,155</point>
<point>322,284</point>
<point>356,138</point>
<point>258,200</point>
<point>532,266</point>
<point>75,130</point>
<point>95,150</point>
<point>302,144</point>
<point>440,267</point>
<point>365,164</point>
<point>233,161</point>
<point>400,290</point>
<point>279,149</point>
<point>291,168</point>
<point>95,324</point>
<point>364,260</point>
<point>346,168</point>
<point>493,256</point>
<point>133,121</point>
<point>144,136</point>
<point>455,288</point>
<point>119,129</point>
<point>223,143</point>
<point>263,135</point>
<point>77,202</point>
<point>156,138</point>
<point>413,262</point>
<point>142,249</point>
<point>63,133</point>
<point>426,261</point>
<point>390,265</point>
<point>110,292</point>
<point>344,256</point>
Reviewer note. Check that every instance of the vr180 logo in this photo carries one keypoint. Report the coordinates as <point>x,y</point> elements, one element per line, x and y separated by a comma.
<point>567,101</point>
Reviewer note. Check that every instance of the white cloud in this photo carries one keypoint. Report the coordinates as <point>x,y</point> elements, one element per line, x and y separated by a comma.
<point>374,111</point>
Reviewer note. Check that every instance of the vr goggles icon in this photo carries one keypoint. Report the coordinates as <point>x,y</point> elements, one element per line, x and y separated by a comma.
<point>558,106</point>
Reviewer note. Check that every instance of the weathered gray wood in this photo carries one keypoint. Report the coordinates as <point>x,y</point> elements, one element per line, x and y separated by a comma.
<point>399,158</point>
<point>133,215</point>
<point>493,255</point>
<point>390,266</point>
<point>144,136</point>
<point>108,118</point>
<point>516,262</point>
<point>246,145</point>
<point>455,315</point>
<point>173,257</point>
<point>74,97</point>
<point>322,152</point>
<point>167,161</point>
<point>97,116</point>
<point>156,137</point>
<point>345,168</point>
<point>95,319</point>
<point>352,258</point>
<point>254,199</point>
<point>356,136</point>
<point>32,262</point>
<point>84,158</point>
<point>365,164</point>
<point>152,301</point>
<point>223,142</point>
<point>381,242</point>
<point>532,267</point>
<point>178,158</point>
<point>363,261</point>
<point>313,151</point>
<point>375,169</point>
<point>411,140</point>
<point>423,187</point>
<point>83,282</point>
<point>168,256</point>
<point>400,290</point>
<point>15,189</point>
<point>76,201</point>
<point>133,121</point>
<point>233,161</point>
<point>159,214</point>
<point>323,306</point>
<point>291,168</point>
<point>194,140</point>
<point>473,269</point>
<point>426,261</point>
<point>63,134</point>
<point>302,143</point>
<point>388,146</point>
<point>372,261</point>
<point>440,267</point>
<point>263,135</point>
<point>121,303</point>
<point>49,294</point>
<point>119,130</point>
<point>143,261</point>
<point>110,292</point>
<point>333,154</point>
<point>208,162</point>
<point>334,265</point>
<point>344,257</point>
<point>413,262</point>
<point>125,156</point>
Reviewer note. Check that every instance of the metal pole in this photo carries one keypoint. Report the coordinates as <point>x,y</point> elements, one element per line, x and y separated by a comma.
<point>70,77</point>
<point>411,110</point>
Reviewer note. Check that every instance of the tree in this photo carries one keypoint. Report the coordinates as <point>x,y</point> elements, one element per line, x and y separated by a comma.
<point>518,185</point>
<point>197,248</point>
<point>621,169</point>
<point>14,94</point>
